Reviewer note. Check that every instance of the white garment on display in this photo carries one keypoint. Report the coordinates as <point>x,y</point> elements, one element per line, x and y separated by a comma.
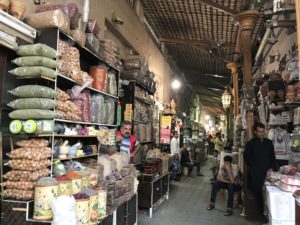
<point>281,140</point>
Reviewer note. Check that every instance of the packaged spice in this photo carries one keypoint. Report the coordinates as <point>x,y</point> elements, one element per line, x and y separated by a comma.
<point>46,189</point>
<point>32,114</point>
<point>49,19</point>
<point>35,143</point>
<point>33,91</point>
<point>37,50</point>
<point>70,9</point>
<point>32,103</point>
<point>79,37</point>
<point>92,27</point>
<point>93,205</point>
<point>20,185</point>
<point>30,176</point>
<point>18,194</point>
<point>30,153</point>
<point>35,61</point>
<point>29,165</point>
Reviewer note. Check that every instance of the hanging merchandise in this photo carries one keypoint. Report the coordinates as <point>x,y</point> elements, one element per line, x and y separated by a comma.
<point>281,142</point>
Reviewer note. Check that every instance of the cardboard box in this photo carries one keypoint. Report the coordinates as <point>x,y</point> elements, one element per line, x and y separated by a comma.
<point>281,204</point>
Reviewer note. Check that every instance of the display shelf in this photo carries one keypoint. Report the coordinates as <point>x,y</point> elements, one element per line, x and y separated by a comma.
<point>142,101</point>
<point>85,123</point>
<point>41,77</point>
<point>142,86</point>
<point>87,51</point>
<point>90,88</point>
<point>77,157</point>
<point>53,135</point>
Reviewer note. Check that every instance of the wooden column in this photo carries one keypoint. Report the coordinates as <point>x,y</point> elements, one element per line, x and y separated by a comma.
<point>298,26</point>
<point>247,20</point>
<point>234,73</point>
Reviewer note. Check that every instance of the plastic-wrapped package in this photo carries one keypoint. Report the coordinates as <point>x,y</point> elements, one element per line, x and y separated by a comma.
<point>70,9</point>
<point>92,27</point>
<point>98,73</point>
<point>20,185</point>
<point>110,108</point>
<point>33,71</point>
<point>35,61</point>
<point>64,210</point>
<point>79,36</point>
<point>18,194</point>
<point>37,50</point>
<point>32,114</point>
<point>121,160</point>
<point>32,103</point>
<point>131,75</point>
<point>86,114</point>
<point>112,83</point>
<point>130,64</point>
<point>21,175</point>
<point>92,42</point>
<point>49,19</point>
<point>33,91</point>
<point>30,153</point>
<point>28,165</point>
<point>97,105</point>
<point>107,164</point>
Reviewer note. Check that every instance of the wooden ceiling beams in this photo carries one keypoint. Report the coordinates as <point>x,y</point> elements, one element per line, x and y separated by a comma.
<point>219,7</point>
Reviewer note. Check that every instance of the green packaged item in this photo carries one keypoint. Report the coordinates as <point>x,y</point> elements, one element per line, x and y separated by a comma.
<point>35,61</point>
<point>15,126</point>
<point>37,50</point>
<point>32,114</point>
<point>33,91</point>
<point>29,126</point>
<point>34,71</point>
<point>45,126</point>
<point>32,103</point>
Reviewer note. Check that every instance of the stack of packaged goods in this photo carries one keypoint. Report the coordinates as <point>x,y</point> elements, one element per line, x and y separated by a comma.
<point>28,162</point>
<point>108,50</point>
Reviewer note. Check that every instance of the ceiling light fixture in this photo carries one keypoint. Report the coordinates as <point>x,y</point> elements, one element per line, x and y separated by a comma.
<point>176,84</point>
<point>226,98</point>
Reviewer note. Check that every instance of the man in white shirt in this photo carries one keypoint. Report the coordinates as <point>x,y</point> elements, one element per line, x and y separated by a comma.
<point>175,152</point>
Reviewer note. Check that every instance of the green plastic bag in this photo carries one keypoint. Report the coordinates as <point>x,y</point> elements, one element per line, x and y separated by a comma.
<point>33,91</point>
<point>35,61</point>
<point>32,103</point>
<point>26,114</point>
<point>33,71</point>
<point>37,50</point>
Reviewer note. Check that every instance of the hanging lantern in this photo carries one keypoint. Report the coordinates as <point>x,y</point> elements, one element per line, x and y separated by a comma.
<point>226,98</point>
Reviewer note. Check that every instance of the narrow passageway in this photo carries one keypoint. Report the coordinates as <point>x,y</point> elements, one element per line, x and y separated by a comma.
<point>187,204</point>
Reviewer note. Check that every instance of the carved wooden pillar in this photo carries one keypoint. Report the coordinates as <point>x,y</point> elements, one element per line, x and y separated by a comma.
<point>247,20</point>
<point>234,73</point>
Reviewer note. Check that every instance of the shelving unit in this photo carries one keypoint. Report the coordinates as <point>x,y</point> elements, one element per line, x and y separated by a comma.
<point>8,82</point>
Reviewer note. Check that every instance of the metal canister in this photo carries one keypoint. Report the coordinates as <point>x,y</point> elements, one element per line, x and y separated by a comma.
<point>82,211</point>
<point>76,185</point>
<point>65,188</point>
<point>43,195</point>
<point>102,200</point>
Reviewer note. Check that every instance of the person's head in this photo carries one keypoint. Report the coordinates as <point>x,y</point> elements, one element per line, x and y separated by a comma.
<point>176,134</point>
<point>185,146</point>
<point>227,160</point>
<point>215,153</point>
<point>126,128</point>
<point>259,130</point>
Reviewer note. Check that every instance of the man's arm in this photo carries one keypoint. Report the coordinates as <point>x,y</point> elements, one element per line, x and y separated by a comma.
<point>220,178</point>
<point>136,149</point>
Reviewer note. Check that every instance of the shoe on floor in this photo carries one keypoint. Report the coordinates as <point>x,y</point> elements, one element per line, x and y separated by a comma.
<point>228,212</point>
<point>210,207</point>
<point>200,174</point>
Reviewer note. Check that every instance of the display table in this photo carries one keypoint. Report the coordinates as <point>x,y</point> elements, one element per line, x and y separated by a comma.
<point>19,213</point>
<point>152,191</point>
<point>280,206</point>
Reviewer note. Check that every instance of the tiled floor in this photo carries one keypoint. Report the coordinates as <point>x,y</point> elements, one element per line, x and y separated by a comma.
<point>187,205</point>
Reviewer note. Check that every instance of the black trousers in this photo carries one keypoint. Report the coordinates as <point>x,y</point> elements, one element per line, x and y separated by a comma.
<point>221,185</point>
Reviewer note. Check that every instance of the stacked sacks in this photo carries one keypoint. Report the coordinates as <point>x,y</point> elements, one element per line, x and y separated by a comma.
<point>35,102</point>
<point>35,61</point>
<point>29,162</point>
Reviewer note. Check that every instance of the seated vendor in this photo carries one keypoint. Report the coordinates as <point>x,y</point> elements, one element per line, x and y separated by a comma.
<point>228,178</point>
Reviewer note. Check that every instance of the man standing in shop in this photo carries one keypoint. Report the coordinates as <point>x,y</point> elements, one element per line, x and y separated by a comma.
<point>175,152</point>
<point>259,157</point>
<point>127,142</point>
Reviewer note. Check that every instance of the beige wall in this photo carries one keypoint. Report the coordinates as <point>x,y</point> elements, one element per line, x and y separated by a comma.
<point>133,31</point>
